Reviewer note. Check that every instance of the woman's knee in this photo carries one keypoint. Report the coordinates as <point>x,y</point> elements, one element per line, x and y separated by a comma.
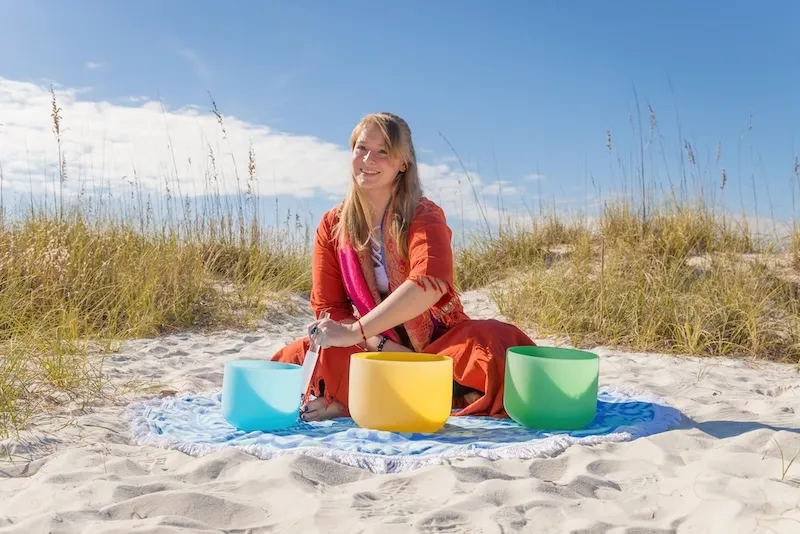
<point>294,352</point>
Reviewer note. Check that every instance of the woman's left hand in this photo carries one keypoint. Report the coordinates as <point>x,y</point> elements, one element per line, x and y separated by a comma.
<point>328,333</point>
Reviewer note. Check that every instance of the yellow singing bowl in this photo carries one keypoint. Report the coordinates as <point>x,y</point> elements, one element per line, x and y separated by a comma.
<point>400,391</point>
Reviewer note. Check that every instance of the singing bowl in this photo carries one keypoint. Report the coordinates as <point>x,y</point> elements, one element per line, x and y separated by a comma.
<point>261,394</point>
<point>400,391</point>
<point>551,388</point>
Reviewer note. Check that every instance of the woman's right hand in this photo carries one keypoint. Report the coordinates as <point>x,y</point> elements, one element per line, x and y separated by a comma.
<point>328,333</point>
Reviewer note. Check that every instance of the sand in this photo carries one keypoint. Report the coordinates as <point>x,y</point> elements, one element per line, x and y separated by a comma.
<point>721,471</point>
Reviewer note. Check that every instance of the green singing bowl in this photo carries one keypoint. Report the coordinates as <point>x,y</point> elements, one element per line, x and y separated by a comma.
<point>551,388</point>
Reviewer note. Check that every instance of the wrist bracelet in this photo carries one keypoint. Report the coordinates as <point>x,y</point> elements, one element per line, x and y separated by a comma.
<point>382,342</point>
<point>362,332</point>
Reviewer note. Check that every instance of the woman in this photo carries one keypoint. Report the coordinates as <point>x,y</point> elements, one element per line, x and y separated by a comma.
<point>382,269</point>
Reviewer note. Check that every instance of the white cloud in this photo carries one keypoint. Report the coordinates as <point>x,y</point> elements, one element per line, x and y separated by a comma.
<point>92,65</point>
<point>535,177</point>
<point>104,143</point>
<point>501,187</point>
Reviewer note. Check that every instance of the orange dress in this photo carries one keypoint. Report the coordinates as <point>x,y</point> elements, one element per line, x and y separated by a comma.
<point>477,347</point>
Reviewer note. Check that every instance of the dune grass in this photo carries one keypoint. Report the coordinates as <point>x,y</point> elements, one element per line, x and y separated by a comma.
<point>663,266</point>
<point>668,272</point>
<point>74,281</point>
<point>70,289</point>
<point>681,282</point>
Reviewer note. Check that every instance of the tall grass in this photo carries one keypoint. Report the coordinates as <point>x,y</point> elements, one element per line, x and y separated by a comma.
<point>659,269</point>
<point>680,281</point>
<point>74,281</point>
<point>65,281</point>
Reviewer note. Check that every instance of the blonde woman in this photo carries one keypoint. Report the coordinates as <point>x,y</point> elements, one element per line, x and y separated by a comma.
<point>382,269</point>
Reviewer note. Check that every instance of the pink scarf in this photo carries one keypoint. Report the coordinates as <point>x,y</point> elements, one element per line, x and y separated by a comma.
<point>356,285</point>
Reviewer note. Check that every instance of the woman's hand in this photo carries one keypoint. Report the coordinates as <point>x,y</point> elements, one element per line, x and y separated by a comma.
<point>328,333</point>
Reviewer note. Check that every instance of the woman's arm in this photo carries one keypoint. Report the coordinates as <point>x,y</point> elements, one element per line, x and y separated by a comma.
<point>409,300</point>
<point>406,302</point>
<point>373,341</point>
<point>327,289</point>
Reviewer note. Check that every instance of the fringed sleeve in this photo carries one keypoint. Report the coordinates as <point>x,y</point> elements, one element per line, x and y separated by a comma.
<point>430,253</point>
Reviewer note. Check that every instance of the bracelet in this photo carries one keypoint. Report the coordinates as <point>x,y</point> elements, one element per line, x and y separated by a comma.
<point>382,342</point>
<point>362,332</point>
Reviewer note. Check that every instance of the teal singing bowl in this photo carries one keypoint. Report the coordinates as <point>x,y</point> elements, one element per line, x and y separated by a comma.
<point>551,388</point>
<point>261,394</point>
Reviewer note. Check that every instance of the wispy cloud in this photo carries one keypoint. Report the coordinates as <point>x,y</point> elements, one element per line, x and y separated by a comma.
<point>105,142</point>
<point>284,80</point>
<point>197,62</point>
<point>535,177</point>
<point>94,65</point>
<point>502,187</point>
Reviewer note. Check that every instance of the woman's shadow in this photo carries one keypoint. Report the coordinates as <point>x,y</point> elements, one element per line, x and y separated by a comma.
<point>729,429</point>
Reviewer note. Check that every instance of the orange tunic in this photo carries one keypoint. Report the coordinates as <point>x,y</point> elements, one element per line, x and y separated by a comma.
<point>477,347</point>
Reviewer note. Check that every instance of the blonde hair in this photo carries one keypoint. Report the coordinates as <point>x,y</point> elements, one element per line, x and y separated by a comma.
<point>353,226</point>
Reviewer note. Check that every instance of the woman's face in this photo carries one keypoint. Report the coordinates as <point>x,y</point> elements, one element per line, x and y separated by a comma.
<point>373,168</point>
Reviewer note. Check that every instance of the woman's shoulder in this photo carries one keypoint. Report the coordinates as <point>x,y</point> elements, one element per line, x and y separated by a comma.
<point>428,212</point>
<point>328,222</point>
<point>331,217</point>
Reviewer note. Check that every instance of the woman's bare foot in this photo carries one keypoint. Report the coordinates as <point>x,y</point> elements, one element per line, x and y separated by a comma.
<point>472,396</point>
<point>315,410</point>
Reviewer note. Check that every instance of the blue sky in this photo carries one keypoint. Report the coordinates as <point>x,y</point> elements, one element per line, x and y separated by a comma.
<point>519,88</point>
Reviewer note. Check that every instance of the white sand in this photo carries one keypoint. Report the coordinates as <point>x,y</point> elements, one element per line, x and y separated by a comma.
<point>721,472</point>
